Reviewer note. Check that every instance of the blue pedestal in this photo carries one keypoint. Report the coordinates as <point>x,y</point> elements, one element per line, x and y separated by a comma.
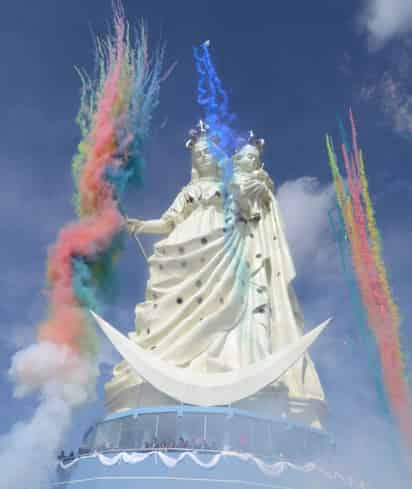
<point>188,447</point>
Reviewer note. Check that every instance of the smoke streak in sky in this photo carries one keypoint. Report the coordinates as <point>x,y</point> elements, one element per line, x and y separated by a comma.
<point>213,99</point>
<point>114,119</point>
<point>365,244</point>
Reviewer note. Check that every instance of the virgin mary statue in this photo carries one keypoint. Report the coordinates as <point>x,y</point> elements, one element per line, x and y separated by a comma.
<point>219,296</point>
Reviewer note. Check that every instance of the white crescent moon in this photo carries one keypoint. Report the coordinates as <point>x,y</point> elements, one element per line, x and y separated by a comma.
<point>208,389</point>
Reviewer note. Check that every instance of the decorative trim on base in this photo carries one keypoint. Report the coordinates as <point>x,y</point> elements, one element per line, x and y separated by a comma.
<point>270,470</point>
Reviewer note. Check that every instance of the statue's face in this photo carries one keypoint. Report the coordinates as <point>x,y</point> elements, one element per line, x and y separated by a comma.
<point>201,154</point>
<point>248,156</point>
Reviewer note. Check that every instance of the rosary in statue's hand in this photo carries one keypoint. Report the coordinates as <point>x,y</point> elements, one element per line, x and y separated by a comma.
<point>134,226</point>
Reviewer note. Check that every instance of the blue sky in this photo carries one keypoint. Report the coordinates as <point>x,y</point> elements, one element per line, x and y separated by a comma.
<point>289,68</point>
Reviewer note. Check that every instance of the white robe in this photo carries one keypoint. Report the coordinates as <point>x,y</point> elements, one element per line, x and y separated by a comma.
<point>219,295</point>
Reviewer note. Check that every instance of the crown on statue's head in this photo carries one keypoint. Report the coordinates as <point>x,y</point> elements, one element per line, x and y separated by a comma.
<point>250,140</point>
<point>200,131</point>
<point>255,141</point>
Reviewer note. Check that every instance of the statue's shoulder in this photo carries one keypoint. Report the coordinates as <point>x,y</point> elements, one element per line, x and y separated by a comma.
<point>262,175</point>
<point>189,192</point>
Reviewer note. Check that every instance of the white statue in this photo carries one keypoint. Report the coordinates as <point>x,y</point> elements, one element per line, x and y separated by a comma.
<point>219,297</point>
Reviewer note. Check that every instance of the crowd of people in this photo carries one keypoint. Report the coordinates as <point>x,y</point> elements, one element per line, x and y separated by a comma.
<point>180,444</point>
<point>290,446</point>
<point>155,444</point>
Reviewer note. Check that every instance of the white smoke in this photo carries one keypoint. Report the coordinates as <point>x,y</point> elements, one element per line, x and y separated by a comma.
<point>64,380</point>
<point>385,19</point>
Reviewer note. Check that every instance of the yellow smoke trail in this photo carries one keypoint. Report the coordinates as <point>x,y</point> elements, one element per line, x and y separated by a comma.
<point>376,243</point>
<point>337,179</point>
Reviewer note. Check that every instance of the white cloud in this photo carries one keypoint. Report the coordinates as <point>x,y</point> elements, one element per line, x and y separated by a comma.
<point>395,101</point>
<point>385,19</point>
<point>391,89</point>
<point>305,205</point>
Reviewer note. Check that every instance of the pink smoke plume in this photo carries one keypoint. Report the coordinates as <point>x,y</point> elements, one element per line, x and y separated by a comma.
<point>87,238</point>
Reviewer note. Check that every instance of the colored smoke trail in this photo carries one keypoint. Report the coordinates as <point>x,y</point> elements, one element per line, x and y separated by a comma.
<point>114,119</point>
<point>61,367</point>
<point>223,140</point>
<point>364,240</point>
<point>212,97</point>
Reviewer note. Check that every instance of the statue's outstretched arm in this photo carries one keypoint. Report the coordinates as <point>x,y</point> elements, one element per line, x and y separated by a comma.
<point>177,212</point>
<point>153,226</point>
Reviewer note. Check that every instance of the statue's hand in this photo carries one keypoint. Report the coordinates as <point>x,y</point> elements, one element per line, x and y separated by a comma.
<point>255,188</point>
<point>134,226</point>
<point>154,226</point>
